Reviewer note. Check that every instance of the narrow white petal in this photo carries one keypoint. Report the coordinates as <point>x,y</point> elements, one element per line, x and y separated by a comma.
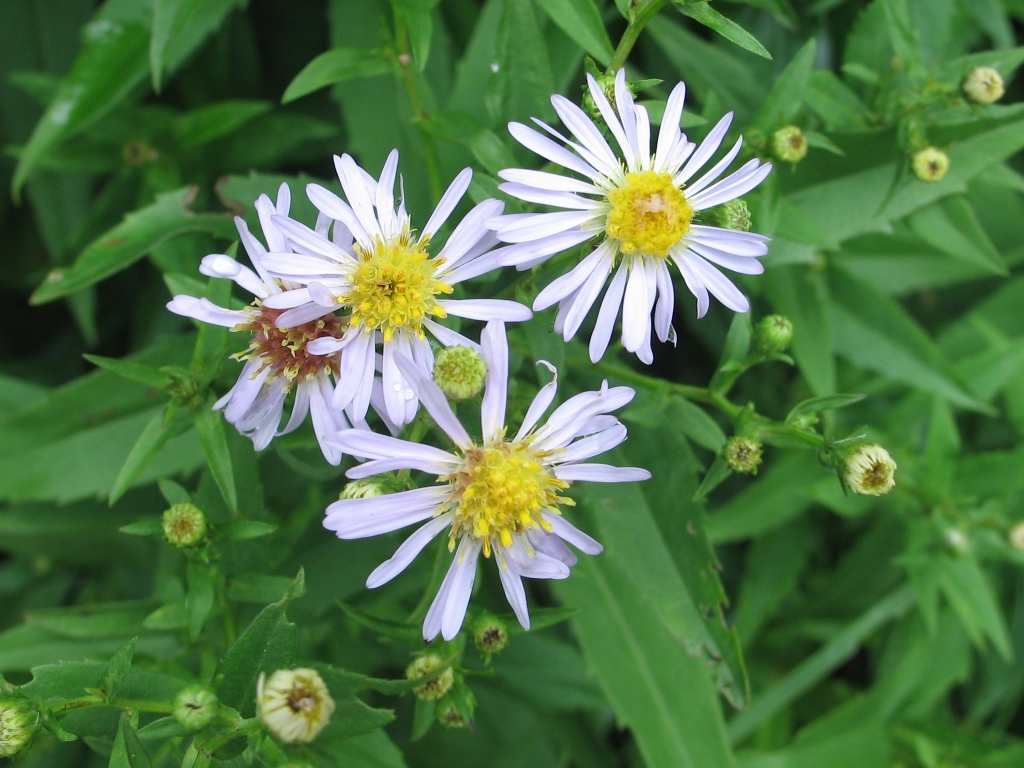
<point>301,268</point>
<point>487,309</point>
<point>568,200</point>
<point>332,205</point>
<point>325,422</point>
<point>407,552</point>
<point>571,418</point>
<point>665,307</point>
<point>607,314</point>
<point>562,286</point>
<point>325,345</point>
<point>541,402</point>
<point>253,247</point>
<point>601,473</point>
<point>288,299</point>
<point>589,292</point>
<point>550,150</point>
<point>720,286</point>
<point>205,310</point>
<point>715,171</point>
<point>385,196</point>
<point>370,445</point>
<point>592,445</point>
<point>707,148</point>
<point>300,409</point>
<point>729,240</point>
<point>693,282</point>
<point>730,188</point>
<point>540,225</point>
<point>435,402</point>
<point>746,265</point>
<point>643,136</point>
<point>475,267</point>
<point>221,265</point>
<point>669,132</point>
<point>494,347</point>
<point>356,366</point>
<point>636,312</point>
<point>570,533</point>
<point>512,584</point>
<point>553,182</point>
<point>360,518</point>
<point>302,315</point>
<point>611,119</point>
<point>448,337</point>
<point>464,569</point>
<point>465,240</point>
<point>517,255</point>
<point>358,194</point>
<point>265,209</point>
<point>583,128</point>
<point>449,200</point>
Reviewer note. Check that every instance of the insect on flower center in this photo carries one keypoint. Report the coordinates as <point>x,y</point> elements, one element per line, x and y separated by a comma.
<point>649,214</point>
<point>501,489</point>
<point>283,350</point>
<point>394,288</point>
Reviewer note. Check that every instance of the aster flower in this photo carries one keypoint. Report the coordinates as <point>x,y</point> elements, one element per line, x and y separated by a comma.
<point>278,359</point>
<point>381,271</point>
<point>643,208</point>
<point>499,496</point>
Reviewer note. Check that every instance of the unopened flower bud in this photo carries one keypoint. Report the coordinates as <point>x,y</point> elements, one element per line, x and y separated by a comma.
<point>459,372</point>
<point>742,455</point>
<point>184,525</point>
<point>18,724</point>
<point>607,85</point>
<point>930,164</point>
<point>870,470</point>
<point>362,489</point>
<point>195,707</point>
<point>983,85</point>
<point>789,144</point>
<point>773,334</point>
<point>490,634</point>
<point>1016,536</point>
<point>294,704</point>
<point>429,664</point>
<point>733,214</point>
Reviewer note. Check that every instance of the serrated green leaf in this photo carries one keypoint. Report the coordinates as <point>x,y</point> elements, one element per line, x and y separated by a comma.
<point>213,437</point>
<point>130,240</point>
<point>117,669</point>
<point>581,20</point>
<point>336,66</point>
<point>704,14</point>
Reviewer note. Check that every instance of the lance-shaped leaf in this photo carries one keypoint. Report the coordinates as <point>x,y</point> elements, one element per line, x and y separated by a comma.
<point>213,436</point>
<point>335,66</point>
<point>704,14</point>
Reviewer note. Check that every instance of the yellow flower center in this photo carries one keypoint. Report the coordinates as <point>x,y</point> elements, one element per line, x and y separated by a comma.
<point>649,214</point>
<point>394,288</point>
<point>499,490</point>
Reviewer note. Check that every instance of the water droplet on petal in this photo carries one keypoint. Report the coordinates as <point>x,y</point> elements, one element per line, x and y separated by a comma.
<point>408,394</point>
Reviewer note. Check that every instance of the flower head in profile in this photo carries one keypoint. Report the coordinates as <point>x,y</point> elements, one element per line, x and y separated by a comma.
<point>499,496</point>
<point>642,208</point>
<point>391,279</point>
<point>294,704</point>
<point>278,359</point>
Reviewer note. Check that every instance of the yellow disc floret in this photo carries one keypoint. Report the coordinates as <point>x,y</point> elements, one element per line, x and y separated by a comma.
<point>394,288</point>
<point>649,214</point>
<point>501,489</point>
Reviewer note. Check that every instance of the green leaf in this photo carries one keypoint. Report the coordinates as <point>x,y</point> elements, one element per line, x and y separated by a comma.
<point>128,751</point>
<point>801,294</point>
<point>523,84</point>
<point>179,27</point>
<point>201,126</point>
<point>146,375</point>
<point>336,66</point>
<point>951,226</point>
<point>421,35</point>
<point>213,437</point>
<point>969,593</point>
<point>581,20</point>
<point>129,241</point>
<point>111,64</point>
<point>199,598</point>
<point>144,528</point>
<point>704,14</point>
<point>663,696</point>
<point>266,645</point>
<point>154,436</point>
<point>819,404</point>
<point>94,620</point>
<point>173,493</point>
<point>117,668</point>
<point>839,107</point>
<point>246,529</point>
<point>396,630</point>
<point>787,95</point>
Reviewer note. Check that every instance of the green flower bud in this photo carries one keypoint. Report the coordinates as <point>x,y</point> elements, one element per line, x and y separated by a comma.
<point>607,85</point>
<point>789,144</point>
<point>362,489</point>
<point>490,634</point>
<point>195,707</point>
<point>773,335</point>
<point>459,372</point>
<point>870,470</point>
<point>294,704</point>
<point>184,525</point>
<point>930,164</point>
<point>983,85</point>
<point>731,215</point>
<point>429,664</point>
<point>18,724</point>
<point>742,455</point>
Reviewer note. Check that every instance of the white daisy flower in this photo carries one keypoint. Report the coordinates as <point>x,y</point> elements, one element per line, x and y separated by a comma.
<point>499,496</point>
<point>382,272</point>
<point>644,211</point>
<point>278,359</point>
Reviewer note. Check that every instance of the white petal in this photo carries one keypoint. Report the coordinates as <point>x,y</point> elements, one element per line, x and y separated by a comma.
<point>369,445</point>
<point>731,187</point>
<point>385,196</point>
<point>435,402</point>
<point>562,286</point>
<point>301,268</point>
<point>302,315</point>
<point>464,567</point>
<point>553,182</point>
<point>406,553</point>
<point>601,473</point>
<point>669,132</point>
<point>570,533</point>
<point>595,444</point>
<point>541,402</point>
<point>308,241</point>
<point>588,292</point>
<point>540,225</point>
<point>358,194</point>
<point>636,312</point>
<point>606,315</point>
<point>288,299</point>
<point>448,337</point>
<point>300,409</point>
<point>728,240</point>
<point>612,120</point>
<point>329,203</point>
<point>205,310</point>
<point>550,150</point>
<point>715,171</point>
<point>517,255</point>
<point>746,265</point>
<point>494,347</point>
<point>693,281</point>
<point>720,286</point>
<point>221,265</point>
<point>356,366</point>
<point>449,200</point>
<point>707,148</point>
<point>487,309</point>
<point>546,197</point>
<point>583,128</point>
<point>471,232</point>
<point>325,422</point>
<point>360,518</point>
<point>665,307</point>
<point>512,584</point>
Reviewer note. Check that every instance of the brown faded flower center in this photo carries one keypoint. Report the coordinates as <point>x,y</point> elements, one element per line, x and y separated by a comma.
<point>283,350</point>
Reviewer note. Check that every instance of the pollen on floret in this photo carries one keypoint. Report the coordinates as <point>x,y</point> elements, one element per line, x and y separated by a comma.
<point>283,350</point>
<point>649,214</point>
<point>500,490</point>
<point>394,288</point>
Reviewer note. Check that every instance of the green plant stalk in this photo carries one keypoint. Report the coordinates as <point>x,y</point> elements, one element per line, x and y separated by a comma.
<point>403,60</point>
<point>636,25</point>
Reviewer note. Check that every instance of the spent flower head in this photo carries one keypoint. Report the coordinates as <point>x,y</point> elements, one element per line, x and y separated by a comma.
<point>497,496</point>
<point>427,664</point>
<point>391,280</point>
<point>743,454</point>
<point>490,634</point>
<point>983,85</point>
<point>789,144</point>
<point>930,164</point>
<point>294,704</point>
<point>641,209</point>
<point>869,470</point>
<point>184,525</point>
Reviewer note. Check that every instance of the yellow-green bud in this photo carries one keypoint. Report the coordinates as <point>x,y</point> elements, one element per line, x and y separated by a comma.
<point>930,164</point>
<point>870,470</point>
<point>789,144</point>
<point>490,634</point>
<point>18,724</point>
<point>742,454</point>
<point>184,525</point>
<point>607,85</point>
<point>983,85</point>
<point>294,704</point>
<point>1016,536</point>
<point>459,372</point>
<point>362,489</point>
<point>426,665</point>
<point>731,215</point>
<point>195,706</point>
<point>773,334</point>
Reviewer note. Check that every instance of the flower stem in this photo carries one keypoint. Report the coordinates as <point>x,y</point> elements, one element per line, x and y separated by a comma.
<point>644,14</point>
<point>404,63</point>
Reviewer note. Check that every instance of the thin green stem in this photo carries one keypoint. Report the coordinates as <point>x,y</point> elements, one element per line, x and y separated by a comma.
<point>98,701</point>
<point>403,60</point>
<point>644,14</point>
